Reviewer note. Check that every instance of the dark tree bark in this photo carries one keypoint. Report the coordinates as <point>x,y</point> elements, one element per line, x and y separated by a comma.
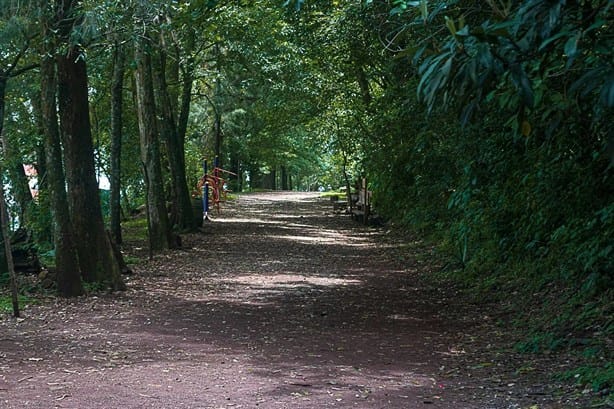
<point>41,161</point>
<point>217,122</point>
<point>187,81</point>
<point>363,83</point>
<point>185,101</point>
<point>117,101</point>
<point>68,276</point>
<point>181,211</point>
<point>45,231</point>
<point>284,178</point>
<point>97,261</point>
<point>158,223</point>
<point>217,134</point>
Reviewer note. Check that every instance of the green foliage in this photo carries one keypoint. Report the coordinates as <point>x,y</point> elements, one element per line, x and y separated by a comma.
<point>598,377</point>
<point>96,287</point>
<point>6,302</point>
<point>135,229</point>
<point>47,258</point>
<point>492,137</point>
<point>539,342</point>
<point>531,180</point>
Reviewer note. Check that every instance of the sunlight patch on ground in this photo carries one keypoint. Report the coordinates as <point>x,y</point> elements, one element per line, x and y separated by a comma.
<point>288,216</point>
<point>319,239</point>
<point>315,236</point>
<point>302,239</point>
<point>290,280</point>
<point>243,220</point>
<point>262,289</point>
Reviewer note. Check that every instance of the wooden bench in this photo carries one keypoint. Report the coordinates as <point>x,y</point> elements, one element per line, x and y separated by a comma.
<point>361,208</point>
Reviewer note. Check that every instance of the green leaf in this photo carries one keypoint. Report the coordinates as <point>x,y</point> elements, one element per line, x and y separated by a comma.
<point>571,46</point>
<point>552,39</point>
<point>424,9</point>
<point>520,79</point>
<point>525,128</point>
<point>451,26</point>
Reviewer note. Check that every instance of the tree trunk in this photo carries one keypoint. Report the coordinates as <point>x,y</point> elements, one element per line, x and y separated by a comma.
<point>363,83</point>
<point>217,134</point>
<point>158,224</point>
<point>44,231</point>
<point>97,261</point>
<point>186,89</point>
<point>181,211</point>
<point>284,178</point>
<point>68,275</point>
<point>117,103</point>
<point>217,124</point>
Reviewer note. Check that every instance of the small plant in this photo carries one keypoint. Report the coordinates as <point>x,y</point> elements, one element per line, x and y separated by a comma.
<point>135,229</point>
<point>6,302</point>
<point>539,342</point>
<point>48,258</point>
<point>132,260</point>
<point>92,288</point>
<point>598,377</point>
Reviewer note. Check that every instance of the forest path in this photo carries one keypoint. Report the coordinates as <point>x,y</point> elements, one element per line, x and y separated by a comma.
<point>278,304</point>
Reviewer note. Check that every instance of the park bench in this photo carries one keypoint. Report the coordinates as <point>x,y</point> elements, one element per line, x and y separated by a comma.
<point>362,205</point>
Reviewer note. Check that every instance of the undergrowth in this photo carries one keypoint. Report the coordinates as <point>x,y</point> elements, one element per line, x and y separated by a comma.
<point>552,318</point>
<point>6,302</point>
<point>135,229</point>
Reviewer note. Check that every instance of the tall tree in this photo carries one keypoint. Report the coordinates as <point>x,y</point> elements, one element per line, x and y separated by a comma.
<point>68,273</point>
<point>158,223</point>
<point>117,102</point>
<point>181,210</point>
<point>97,260</point>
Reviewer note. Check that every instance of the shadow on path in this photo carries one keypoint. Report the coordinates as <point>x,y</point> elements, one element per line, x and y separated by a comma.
<point>277,304</point>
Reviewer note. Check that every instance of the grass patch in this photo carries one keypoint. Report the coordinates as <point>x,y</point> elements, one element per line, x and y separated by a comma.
<point>333,193</point>
<point>132,260</point>
<point>6,302</point>
<point>135,229</point>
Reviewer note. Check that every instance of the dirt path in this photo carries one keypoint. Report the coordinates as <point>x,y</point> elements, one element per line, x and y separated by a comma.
<point>279,304</point>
